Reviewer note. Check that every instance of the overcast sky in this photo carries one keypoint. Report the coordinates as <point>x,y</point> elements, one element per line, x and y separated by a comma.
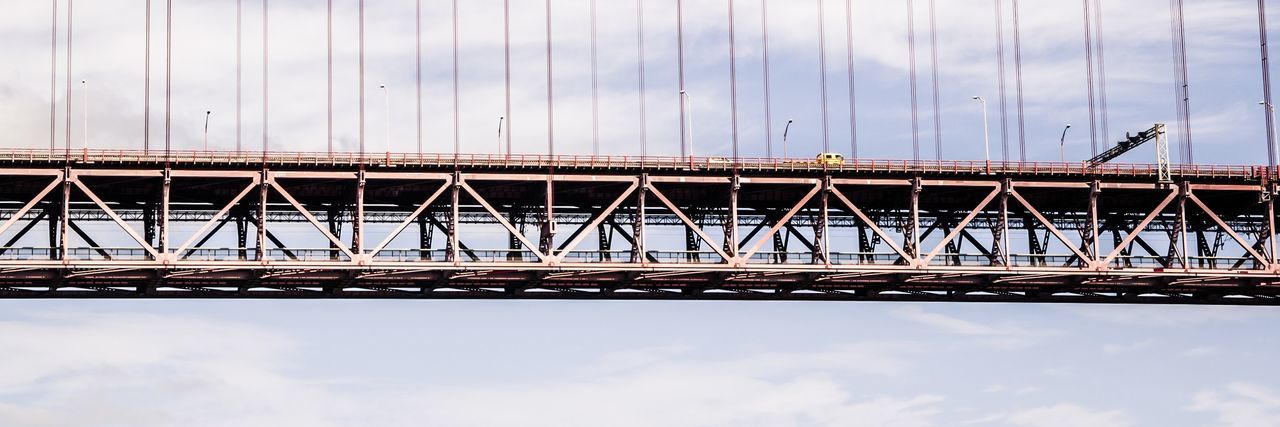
<point>320,363</point>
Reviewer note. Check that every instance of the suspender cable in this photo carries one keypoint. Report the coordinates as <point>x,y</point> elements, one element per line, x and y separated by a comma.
<point>595,89</point>
<point>361,74</point>
<point>1266,84</point>
<point>457,131</point>
<point>329,76</point>
<point>70,23</point>
<point>1185,87</point>
<point>768,87</point>
<point>1017,72</point>
<point>733,84</point>
<point>168,78</point>
<point>506,64</point>
<point>822,69</point>
<point>265,77</point>
<point>146,82</point>
<point>551,119</point>
<point>53,76</point>
<point>1102,76</point>
<point>911,51</point>
<point>239,67</point>
<point>1004,109</point>
<point>417,22</point>
<point>937,107</point>
<point>1088,61</point>
<point>853,108</point>
<point>644,124</point>
<point>684,150</point>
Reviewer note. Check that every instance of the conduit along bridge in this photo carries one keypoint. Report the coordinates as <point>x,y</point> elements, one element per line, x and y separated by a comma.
<point>128,224</point>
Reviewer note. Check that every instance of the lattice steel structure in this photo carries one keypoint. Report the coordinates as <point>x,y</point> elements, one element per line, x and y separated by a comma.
<point>120,224</point>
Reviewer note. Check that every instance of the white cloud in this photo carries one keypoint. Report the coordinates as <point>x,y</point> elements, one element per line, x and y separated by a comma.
<point>1240,404</point>
<point>146,370</point>
<point>1068,415</point>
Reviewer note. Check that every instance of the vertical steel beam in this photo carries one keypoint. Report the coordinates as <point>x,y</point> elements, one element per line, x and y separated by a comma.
<point>914,226</point>
<point>820,237</point>
<point>638,251</point>
<point>1184,189</point>
<point>999,245</point>
<point>261,244</point>
<point>731,220</point>
<point>1271,232</point>
<point>453,219</point>
<point>357,223</point>
<point>65,217</point>
<point>164,211</point>
<point>1095,190</point>
<point>547,243</point>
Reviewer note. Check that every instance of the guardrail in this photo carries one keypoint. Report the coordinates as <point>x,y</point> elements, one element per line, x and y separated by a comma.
<point>712,163</point>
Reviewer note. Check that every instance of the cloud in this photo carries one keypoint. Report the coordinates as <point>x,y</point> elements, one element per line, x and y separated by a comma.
<point>148,370</point>
<point>1001,336</point>
<point>1240,404</point>
<point>1068,415</point>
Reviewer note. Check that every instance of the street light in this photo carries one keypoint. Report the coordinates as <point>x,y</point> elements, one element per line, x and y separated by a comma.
<point>786,131</point>
<point>206,130</point>
<point>85,85</point>
<point>986,133</point>
<point>1062,142</point>
<point>688,100</point>
<point>1271,150</point>
<point>386,99</point>
<point>500,119</point>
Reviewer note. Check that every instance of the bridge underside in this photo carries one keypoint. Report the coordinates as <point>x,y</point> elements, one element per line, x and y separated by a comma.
<point>96,227</point>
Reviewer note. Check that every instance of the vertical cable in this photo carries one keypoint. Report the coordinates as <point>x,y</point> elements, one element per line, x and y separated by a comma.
<point>853,108</point>
<point>265,75</point>
<point>146,82</point>
<point>684,150</point>
<point>53,78</point>
<point>822,69</point>
<point>417,22</point>
<point>595,90</point>
<point>239,67</point>
<point>168,78</point>
<point>70,23</point>
<point>1266,84</point>
<point>1102,77</point>
<point>361,76</point>
<point>911,51</point>
<point>1004,110</point>
<point>1177,78</point>
<point>551,118</point>
<point>457,131</point>
<point>733,84</point>
<point>644,123</point>
<point>506,48</point>
<point>768,86</point>
<point>1088,61</point>
<point>329,76</point>
<point>937,105</point>
<point>1017,72</point>
<point>1186,85</point>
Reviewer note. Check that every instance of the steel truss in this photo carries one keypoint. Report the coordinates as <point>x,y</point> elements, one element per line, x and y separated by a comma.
<point>117,231</point>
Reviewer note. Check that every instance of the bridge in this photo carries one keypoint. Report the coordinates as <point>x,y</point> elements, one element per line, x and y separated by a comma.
<point>129,224</point>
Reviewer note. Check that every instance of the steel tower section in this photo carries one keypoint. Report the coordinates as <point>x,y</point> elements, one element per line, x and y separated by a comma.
<point>122,224</point>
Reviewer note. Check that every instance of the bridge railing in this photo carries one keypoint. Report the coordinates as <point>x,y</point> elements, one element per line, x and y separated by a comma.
<point>573,161</point>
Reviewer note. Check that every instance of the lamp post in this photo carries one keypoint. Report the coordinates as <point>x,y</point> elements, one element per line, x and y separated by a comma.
<point>1271,151</point>
<point>386,100</point>
<point>986,133</point>
<point>688,100</point>
<point>206,130</point>
<point>1062,142</point>
<point>785,132</point>
<point>85,86</point>
<point>500,119</point>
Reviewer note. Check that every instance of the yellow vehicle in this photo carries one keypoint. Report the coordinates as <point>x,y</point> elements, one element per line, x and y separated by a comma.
<point>831,159</point>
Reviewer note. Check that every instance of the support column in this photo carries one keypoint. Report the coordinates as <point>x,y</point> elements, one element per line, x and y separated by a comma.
<point>1095,190</point>
<point>913,228</point>
<point>452,254</point>
<point>357,223</point>
<point>547,243</point>
<point>164,212</point>
<point>65,217</point>
<point>999,246</point>
<point>1271,231</point>
<point>261,244</point>
<point>731,221</point>
<point>823,252</point>
<point>637,226</point>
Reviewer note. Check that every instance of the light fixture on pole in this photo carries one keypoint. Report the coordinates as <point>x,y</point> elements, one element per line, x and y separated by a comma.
<point>206,129</point>
<point>689,106</point>
<point>986,133</point>
<point>386,99</point>
<point>785,132</point>
<point>500,119</point>
<point>85,85</point>
<point>1062,142</point>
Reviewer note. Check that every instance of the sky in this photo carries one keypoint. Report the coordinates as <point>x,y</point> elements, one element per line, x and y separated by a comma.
<point>545,363</point>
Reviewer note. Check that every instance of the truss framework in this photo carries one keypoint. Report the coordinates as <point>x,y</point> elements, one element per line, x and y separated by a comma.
<point>805,236</point>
